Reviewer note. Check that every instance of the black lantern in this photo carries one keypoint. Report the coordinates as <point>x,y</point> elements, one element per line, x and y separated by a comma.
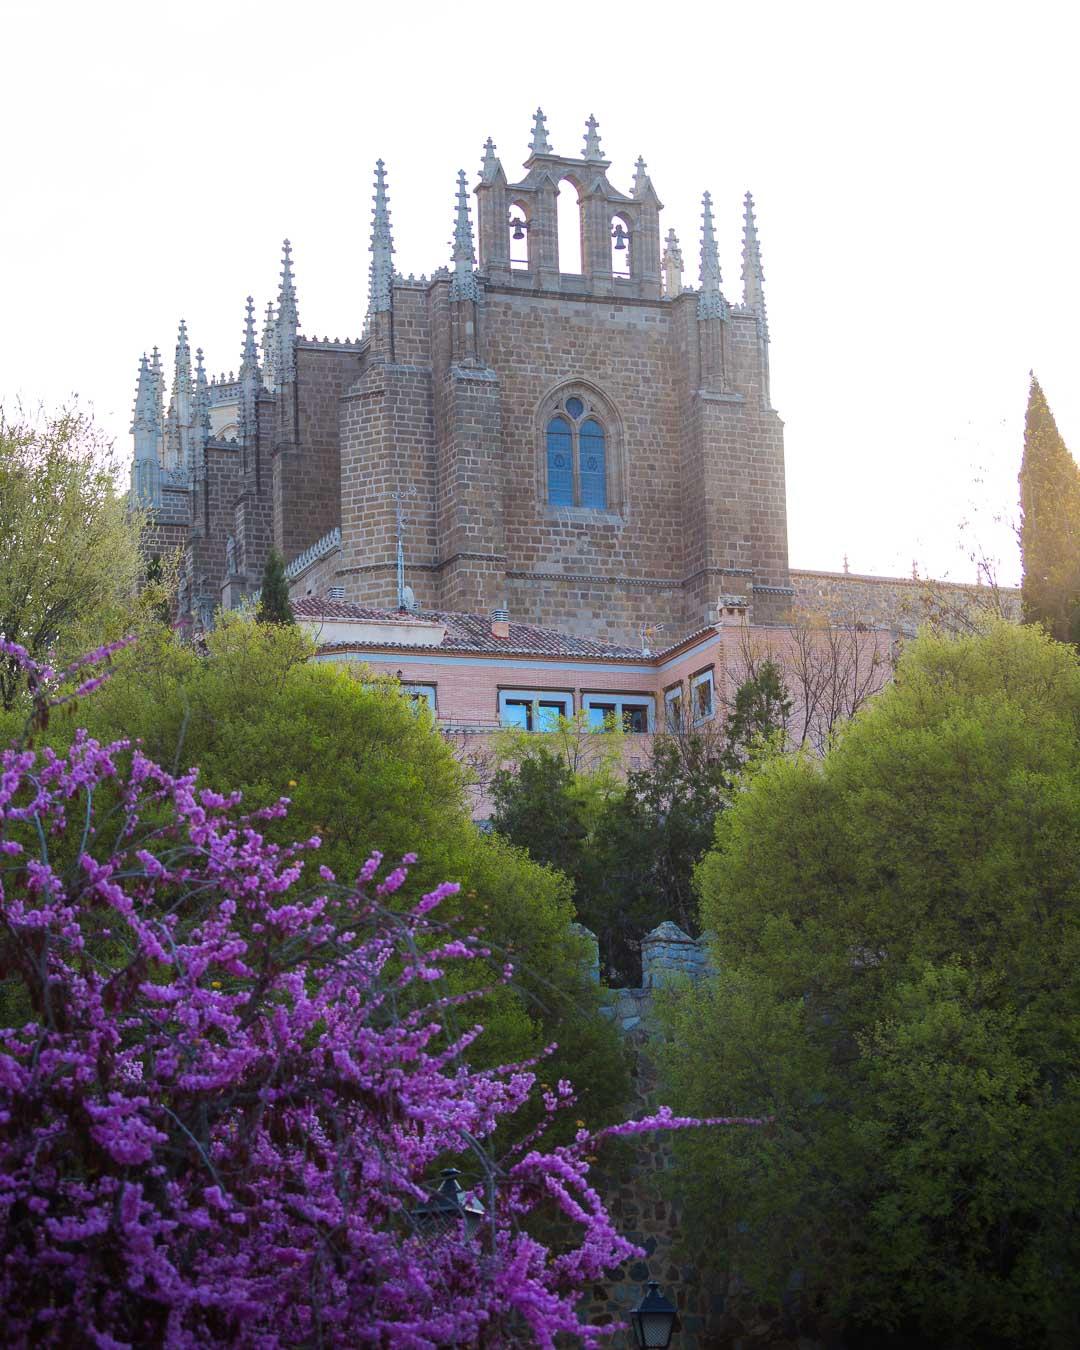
<point>446,1208</point>
<point>620,236</point>
<point>653,1319</point>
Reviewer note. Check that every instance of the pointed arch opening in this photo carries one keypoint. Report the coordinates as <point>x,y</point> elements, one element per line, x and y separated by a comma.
<point>518,228</point>
<point>568,206</point>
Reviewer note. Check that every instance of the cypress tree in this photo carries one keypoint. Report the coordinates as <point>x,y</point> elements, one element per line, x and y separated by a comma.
<point>1049,524</point>
<point>274,606</point>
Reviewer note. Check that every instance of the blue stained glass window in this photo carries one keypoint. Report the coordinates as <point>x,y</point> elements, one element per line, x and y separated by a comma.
<point>592,468</point>
<point>575,407</point>
<point>560,465</point>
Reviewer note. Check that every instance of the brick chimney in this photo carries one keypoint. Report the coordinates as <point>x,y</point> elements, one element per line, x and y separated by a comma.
<point>500,623</point>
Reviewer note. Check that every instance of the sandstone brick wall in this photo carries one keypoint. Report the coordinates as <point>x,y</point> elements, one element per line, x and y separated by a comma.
<point>899,604</point>
<point>448,405</point>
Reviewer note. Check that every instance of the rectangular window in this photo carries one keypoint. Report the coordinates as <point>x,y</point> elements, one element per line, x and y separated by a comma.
<point>673,708</point>
<point>534,709</point>
<point>701,696</point>
<point>637,712</point>
<point>421,695</point>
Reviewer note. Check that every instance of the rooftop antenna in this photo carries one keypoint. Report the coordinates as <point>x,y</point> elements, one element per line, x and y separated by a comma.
<point>399,497</point>
<point>647,631</point>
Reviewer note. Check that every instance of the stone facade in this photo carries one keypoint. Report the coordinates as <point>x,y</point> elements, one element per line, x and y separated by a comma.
<point>899,604</point>
<point>442,409</point>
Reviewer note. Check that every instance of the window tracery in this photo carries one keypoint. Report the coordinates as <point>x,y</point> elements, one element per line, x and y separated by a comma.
<point>576,442</point>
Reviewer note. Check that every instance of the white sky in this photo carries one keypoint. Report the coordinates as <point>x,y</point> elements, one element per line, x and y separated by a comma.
<point>914,168</point>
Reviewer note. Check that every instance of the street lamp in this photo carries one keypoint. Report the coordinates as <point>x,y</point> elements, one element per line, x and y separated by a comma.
<point>653,1320</point>
<point>446,1208</point>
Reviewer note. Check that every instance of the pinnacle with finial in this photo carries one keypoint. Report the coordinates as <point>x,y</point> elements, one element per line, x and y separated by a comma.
<point>592,140</point>
<point>641,178</point>
<point>145,401</point>
<point>710,301</point>
<point>249,364</point>
<point>753,276</point>
<point>463,285</point>
<point>490,166</point>
<point>382,247</point>
<point>287,310</point>
<point>672,266</point>
<point>202,400</point>
<point>539,145</point>
<point>182,364</point>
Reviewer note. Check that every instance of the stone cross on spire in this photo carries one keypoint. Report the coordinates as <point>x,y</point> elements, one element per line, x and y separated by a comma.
<point>641,178</point>
<point>710,301</point>
<point>380,290</point>
<point>592,140</point>
<point>753,277</point>
<point>463,286</point>
<point>539,145</point>
<point>249,360</point>
<point>490,167</point>
<point>672,264</point>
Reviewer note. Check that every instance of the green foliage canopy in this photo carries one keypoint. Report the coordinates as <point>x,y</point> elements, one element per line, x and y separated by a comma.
<point>896,931</point>
<point>365,769</point>
<point>69,546</point>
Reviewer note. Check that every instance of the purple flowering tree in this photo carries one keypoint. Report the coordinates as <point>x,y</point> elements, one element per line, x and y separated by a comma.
<point>224,1091</point>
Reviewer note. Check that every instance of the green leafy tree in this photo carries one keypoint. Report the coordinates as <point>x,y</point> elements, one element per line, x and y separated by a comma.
<point>69,544</point>
<point>535,806</point>
<point>897,938</point>
<point>1049,524</point>
<point>759,714</point>
<point>274,604</point>
<point>364,769</point>
<point>630,847</point>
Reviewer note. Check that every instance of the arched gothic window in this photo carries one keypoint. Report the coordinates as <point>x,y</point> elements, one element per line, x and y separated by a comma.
<point>577,468</point>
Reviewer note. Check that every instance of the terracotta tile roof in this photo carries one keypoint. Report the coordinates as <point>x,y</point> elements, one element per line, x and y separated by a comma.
<point>471,633</point>
<point>311,607</point>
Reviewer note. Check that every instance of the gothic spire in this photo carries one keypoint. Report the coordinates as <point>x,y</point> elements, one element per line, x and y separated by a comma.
<point>539,145</point>
<point>753,277</point>
<point>288,320</point>
<point>710,301</point>
<point>269,348</point>
<point>380,290</point>
<point>463,286</point>
<point>287,310</point>
<point>144,401</point>
<point>159,387</point>
<point>592,140</point>
<point>146,429</point>
<point>182,362</point>
<point>201,410</point>
<point>672,265</point>
<point>178,422</point>
<point>249,360</point>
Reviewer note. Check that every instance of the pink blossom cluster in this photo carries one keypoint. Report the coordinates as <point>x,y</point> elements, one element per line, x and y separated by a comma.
<point>224,1094</point>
